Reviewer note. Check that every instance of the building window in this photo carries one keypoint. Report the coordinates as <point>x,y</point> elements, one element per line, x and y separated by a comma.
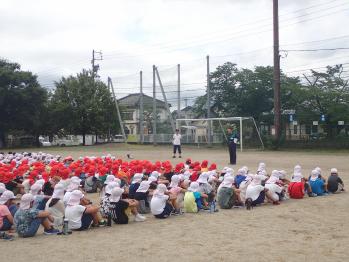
<point>295,129</point>
<point>308,129</point>
<point>127,115</point>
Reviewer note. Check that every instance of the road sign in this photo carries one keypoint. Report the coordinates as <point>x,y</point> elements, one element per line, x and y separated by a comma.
<point>341,123</point>
<point>291,118</point>
<point>315,123</point>
<point>323,119</point>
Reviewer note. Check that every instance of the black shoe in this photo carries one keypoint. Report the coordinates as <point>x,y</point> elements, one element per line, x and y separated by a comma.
<point>180,156</point>
<point>174,157</point>
<point>248,204</point>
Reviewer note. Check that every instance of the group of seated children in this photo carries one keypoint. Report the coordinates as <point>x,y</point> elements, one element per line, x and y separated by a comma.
<point>158,189</point>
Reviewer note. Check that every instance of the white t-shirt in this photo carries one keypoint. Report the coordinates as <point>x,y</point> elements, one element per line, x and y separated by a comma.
<point>74,215</point>
<point>57,211</point>
<point>253,191</point>
<point>26,184</point>
<point>143,187</point>
<point>177,139</point>
<point>66,198</point>
<point>158,203</point>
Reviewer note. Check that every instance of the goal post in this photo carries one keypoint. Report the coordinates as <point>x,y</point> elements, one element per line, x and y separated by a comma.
<point>197,129</point>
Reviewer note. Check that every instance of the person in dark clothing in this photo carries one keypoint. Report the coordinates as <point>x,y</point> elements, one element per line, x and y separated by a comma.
<point>233,139</point>
<point>334,182</point>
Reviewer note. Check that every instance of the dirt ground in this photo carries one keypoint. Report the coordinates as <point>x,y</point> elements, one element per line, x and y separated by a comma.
<point>311,229</point>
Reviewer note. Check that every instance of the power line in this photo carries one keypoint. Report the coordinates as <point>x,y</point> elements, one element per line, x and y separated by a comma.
<point>164,45</point>
<point>315,50</point>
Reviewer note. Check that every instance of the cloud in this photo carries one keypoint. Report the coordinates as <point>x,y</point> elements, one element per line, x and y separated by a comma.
<point>55,38</point>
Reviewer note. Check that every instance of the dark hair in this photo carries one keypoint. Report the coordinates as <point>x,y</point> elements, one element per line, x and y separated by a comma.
<point>53,202</point>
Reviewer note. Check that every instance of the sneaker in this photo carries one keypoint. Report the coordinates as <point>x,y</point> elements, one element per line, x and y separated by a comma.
<point>174,157</point>
<point>51,231</point>
<point>312,195</point>
<point>248,204</point>
<point>180,156</point>
<point>139,218</point>
<point>177,212</point>
<point>276,203</point>
<point>5,236</point>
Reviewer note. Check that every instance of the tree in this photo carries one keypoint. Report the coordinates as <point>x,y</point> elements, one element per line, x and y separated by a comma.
<point>22,102</point>
<point>82,105</point>
<point>328,94</point>
<point>244,92</point>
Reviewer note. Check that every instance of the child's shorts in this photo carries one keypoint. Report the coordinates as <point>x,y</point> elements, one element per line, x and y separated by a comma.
<point>166,213</point>
<point>260,199</point>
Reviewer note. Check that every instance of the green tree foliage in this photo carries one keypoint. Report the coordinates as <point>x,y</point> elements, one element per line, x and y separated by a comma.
<point>83,106</point>
<point>327,94</point>
<point>245,92</point>
<point>23,102</point>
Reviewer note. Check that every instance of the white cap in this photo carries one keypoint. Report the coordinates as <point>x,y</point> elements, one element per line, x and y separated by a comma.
<point>111,186</point>
<point>314,175</point>
<point>137,178</point>
<point>26,200</point>
<point>194,187</point>
<point>109,179</point>
<point>160,189</point>
<point>155,174</point>
<point>75,198</point>
<point>7,195</point>
<point>58,191</point>
<point>203,178</point>
<point>35,188</point>
<point>334,171</point>
<point>227,182</point>
<point>175,180</point>
<point>116,194</point>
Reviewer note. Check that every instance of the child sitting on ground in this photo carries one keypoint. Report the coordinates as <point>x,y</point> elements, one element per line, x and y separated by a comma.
<point>56,206</point>
<point>118,207</point>
<point>79,216</point>
<point>318,186</point>
<point>334,182</point>
<point>193,197</point>
<point>160,204</point>
<point>7,211</point>
<point>298,185</point>
<point>28,219</point>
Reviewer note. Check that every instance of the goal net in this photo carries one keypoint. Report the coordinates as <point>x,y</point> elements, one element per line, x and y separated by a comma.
<point>207,131</point>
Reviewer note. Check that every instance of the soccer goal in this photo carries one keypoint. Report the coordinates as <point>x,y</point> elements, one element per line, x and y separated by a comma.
<point>213,131</point>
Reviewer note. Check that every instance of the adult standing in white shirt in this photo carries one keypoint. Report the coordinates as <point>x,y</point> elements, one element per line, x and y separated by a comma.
<point>177,144</point>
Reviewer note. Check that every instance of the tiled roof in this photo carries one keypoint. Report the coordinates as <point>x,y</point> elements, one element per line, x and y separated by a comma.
<point>132,100</point>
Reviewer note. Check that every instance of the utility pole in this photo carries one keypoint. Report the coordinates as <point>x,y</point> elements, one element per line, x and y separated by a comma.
<point>179,91</point>
<point>154,107</point>
<point>208,102</point>
<point>277,98</point>
<point>95,67</point>
<point>141,108</point>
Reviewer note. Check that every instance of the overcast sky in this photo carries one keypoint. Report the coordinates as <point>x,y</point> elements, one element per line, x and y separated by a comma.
<point>55,38</point>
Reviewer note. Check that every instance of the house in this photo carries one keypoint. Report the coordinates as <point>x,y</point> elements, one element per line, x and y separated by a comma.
<point>130,108</point>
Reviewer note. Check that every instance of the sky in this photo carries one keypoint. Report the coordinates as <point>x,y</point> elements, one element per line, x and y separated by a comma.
<point>55,38</point>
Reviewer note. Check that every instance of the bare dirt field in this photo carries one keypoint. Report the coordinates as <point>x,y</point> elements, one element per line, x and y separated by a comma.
<point>311,229</point>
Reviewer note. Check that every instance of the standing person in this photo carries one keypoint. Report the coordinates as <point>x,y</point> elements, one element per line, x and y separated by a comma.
<point>233,139</point>
<point>177,144</point>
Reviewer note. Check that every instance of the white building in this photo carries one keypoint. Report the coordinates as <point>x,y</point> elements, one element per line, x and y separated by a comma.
<point>130,108</point>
